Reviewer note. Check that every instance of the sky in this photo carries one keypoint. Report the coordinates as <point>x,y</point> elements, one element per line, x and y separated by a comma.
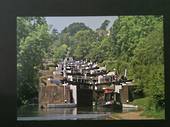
<point>93,22</point>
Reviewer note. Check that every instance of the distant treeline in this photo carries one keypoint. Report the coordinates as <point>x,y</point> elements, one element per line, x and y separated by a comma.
<point>133,42</point>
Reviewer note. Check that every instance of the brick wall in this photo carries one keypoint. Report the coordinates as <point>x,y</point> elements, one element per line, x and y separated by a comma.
<point>53,94</point>
<point>124,94</point>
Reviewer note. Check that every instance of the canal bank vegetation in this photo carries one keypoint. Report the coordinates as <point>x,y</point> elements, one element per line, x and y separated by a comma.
<point>134,43</point>
<point>147,111</point>
<point>33,45</point>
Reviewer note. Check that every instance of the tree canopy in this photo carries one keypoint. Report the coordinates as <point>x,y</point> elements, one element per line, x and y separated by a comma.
<point>133,42</point>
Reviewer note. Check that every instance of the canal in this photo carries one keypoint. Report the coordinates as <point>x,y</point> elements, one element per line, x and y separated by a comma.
<point>33,113</point>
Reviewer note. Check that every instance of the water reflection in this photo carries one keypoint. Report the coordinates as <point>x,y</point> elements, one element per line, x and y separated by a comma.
<point>62,111</point>
<point>34,113</point>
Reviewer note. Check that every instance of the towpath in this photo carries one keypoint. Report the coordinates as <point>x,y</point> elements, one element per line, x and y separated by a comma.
<point>130,116</point>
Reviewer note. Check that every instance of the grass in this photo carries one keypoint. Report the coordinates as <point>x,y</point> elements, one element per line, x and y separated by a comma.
<point>156,114</point>
<point>142,103</point>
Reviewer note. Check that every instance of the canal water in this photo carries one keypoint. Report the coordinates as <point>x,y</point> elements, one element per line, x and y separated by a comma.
<point>33,113</point>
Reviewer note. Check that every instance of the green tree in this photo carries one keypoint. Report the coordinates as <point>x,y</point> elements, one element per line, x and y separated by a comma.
<point>32,48</point>
<point>149,53</point>
<point>102,31</point>
<point>138,46</point>
<point>60,52</point>
<point>73,28</point>
<point>83,40</point>
<point>104,25</point>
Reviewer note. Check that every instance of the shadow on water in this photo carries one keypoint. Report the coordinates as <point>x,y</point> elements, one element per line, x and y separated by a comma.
<point>32,112</point>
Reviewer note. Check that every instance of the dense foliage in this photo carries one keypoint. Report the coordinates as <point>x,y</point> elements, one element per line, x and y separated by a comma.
<point>33,41</point>
<point>138,46</point>
<point>133,42</point>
